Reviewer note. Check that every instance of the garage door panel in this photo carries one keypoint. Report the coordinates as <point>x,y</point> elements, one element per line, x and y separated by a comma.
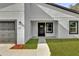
<point>5,40</point>
<point>7,32</point>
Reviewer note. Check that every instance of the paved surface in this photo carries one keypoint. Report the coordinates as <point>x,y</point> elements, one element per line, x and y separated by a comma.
<point>42,50</point>
<point>6,51</point>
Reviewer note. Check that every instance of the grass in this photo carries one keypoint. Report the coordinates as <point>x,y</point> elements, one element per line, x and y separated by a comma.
<point>63,47</point>
<point>31,44</point>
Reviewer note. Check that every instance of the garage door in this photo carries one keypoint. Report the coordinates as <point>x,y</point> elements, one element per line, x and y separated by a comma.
<point>7,32</point>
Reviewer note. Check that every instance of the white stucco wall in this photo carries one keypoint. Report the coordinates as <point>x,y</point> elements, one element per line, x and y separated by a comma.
<point>34,28</point>
<point>63,29</point>
<point>14,12</point>
<point>27,22</point>
<point>43,13</point>
<point>38,15</point>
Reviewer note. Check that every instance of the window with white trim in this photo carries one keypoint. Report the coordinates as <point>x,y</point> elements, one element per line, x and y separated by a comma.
<point>73,27</point>
<point>49,27</point>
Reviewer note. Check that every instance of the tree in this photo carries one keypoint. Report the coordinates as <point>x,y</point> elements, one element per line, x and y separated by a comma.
<point>75,7</point>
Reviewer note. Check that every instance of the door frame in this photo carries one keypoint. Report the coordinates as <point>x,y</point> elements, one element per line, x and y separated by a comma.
<point>38,28</point>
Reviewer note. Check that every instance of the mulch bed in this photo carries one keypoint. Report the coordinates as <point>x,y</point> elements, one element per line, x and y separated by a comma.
<point>19,46</point>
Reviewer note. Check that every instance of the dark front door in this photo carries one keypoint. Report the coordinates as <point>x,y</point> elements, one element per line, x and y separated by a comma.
<point>41,29</point>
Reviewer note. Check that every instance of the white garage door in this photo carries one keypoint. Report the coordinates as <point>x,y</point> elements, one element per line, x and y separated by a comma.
<point>7,32</point>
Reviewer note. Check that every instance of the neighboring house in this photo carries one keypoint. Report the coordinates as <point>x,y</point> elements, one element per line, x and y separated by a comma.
<point>19,22</point>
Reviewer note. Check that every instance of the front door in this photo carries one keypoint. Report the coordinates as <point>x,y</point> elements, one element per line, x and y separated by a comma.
<point>41,29</point>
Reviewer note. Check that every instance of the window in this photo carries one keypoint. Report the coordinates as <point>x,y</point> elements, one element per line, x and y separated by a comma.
<point>49,27</point>
<point>73,27</point>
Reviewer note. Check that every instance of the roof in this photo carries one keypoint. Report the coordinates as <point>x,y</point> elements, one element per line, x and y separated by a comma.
<point>64,8</point>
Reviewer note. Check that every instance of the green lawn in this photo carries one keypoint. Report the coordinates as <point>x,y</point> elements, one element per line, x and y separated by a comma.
<point>60,47</point>
<point>31,44</point>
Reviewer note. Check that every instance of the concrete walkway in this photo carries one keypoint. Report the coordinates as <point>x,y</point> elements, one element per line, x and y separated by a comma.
<point>42,50</point>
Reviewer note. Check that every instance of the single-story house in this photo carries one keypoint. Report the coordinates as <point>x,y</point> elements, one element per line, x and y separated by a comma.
<point>21,21</point>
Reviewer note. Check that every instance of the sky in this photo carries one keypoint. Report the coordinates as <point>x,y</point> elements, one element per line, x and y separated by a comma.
<point>66,4</point>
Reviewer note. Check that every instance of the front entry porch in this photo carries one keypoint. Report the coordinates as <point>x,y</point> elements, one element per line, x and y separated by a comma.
<point>47,29</point>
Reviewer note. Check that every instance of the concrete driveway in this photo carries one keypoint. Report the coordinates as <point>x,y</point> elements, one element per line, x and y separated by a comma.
<point>42,50</point>
<point>6,51</point>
